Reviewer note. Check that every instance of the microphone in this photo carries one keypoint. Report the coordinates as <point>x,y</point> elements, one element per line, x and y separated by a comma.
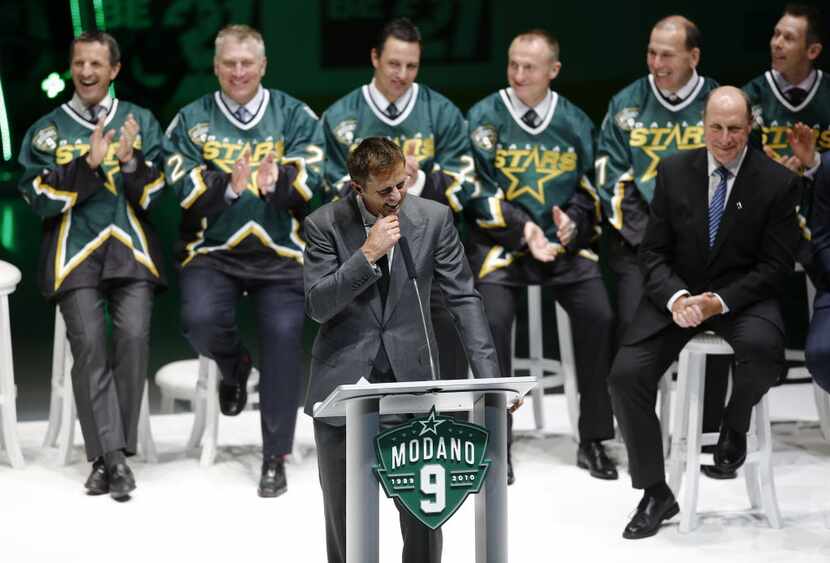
<point>403,246</point>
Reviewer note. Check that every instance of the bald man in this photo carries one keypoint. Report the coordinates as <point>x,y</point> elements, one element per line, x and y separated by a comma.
<point>719,244</point>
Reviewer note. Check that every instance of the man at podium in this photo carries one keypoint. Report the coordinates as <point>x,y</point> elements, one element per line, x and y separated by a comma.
<point>372,328</point>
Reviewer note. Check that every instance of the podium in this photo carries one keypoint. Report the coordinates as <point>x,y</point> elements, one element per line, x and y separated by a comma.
<point>363,404</point>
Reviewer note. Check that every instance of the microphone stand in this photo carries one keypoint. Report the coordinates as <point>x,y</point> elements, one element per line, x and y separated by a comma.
<point>403,245</point>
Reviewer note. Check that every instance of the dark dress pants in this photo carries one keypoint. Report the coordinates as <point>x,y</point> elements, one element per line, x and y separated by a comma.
<point>420,544</point>
<point>638,367</point>
<point>452,359</point>
<point>209,303</point>
<point>592,327</point>
<point>622,259</point>
<point>108,386</point>
<point>818,341</point>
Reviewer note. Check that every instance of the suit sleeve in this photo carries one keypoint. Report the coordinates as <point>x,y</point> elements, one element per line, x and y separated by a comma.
<point>776,254</point>
<point>820,219</point>
<point>450,181</point>
<point>656,252</point>
<point>299,172</point>
<point>329,285</point>
<point>502,221</point>
<point>52,189</point>
<point>145,185</point>
<point>621,201</point>
<point>199,190</point>
<point>452,272</point>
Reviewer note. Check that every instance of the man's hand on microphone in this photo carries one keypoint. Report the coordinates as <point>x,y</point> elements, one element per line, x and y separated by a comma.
<point>383,235</point>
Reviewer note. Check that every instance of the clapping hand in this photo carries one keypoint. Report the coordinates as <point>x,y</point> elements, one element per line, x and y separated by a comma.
<point>129,132</point>
<point>565,226</point>
<point>99,143</point>
<point>267,174</point>
<point>538,244</point>
<point>241,172</point>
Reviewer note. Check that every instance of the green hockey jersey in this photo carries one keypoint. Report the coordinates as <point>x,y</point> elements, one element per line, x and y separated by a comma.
<point>253,236</point>
<point>640,128</point>
<point>429,128</point>
<point>773,117</point>
<point>522,172</point>
<point>95,222</point>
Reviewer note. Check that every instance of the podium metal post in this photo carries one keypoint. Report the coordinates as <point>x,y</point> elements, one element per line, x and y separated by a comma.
<point>362,509</point>
<point>491,503</point>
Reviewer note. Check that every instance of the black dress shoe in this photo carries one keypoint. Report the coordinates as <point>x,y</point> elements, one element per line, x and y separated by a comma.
<point>122,481</point>
<point>730,453</point>
<point>272,483</point>
<point>717,472</point>
<point>97,483</point>
<point>591,456</point>
<point>233,396</point>
<point>650,514</point>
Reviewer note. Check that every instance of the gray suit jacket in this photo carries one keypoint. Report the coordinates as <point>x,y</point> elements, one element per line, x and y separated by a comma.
<point>341,294</point>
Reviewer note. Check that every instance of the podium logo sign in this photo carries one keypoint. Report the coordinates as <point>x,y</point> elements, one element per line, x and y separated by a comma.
<point>431,464</point>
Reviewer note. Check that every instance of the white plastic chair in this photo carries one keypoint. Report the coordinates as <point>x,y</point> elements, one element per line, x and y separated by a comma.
<point>62,411</point>
<point>687,437</point>
<point>9,278</point>
<point>197,382</point>
<point>549,372</point>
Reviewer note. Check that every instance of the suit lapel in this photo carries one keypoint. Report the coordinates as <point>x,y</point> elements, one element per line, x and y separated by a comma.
<point>741,190</point>
<point>700,202</point>
<point>411,228</point>
<point>354,235</point>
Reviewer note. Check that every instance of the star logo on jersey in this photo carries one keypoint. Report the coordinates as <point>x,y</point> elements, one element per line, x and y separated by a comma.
<point>529,169</point>
<point>485,137</point>
<point>46,140</point>
<point>431,464</point>
<point>344,132</point>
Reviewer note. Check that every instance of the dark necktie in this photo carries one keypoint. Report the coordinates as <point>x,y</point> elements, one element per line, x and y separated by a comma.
<point>717,205</point>
<point>95,111</point>
<point>674,99</point>
<point>392,110</point>
<point>242,114</point>
<point>383,282</point>
<point>382,368</point>
<point>530,117</point>
<point>796,95</point>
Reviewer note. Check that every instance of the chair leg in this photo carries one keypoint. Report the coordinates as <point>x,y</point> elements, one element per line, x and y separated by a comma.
<point>145,433</point>
<point>168,404</point>
<point>769,497</point>
<point>688,517</point>
<point>66,436</point>
<point>677,450</point>
<point>822,399</point>
<point>535,351</point>
<point>198,405</point>
<point>8,391</point>
<point>751,468</point>
<point>211,416</point>
<point>568,363</point>
<point>664,388</point>
<point>58,365</point>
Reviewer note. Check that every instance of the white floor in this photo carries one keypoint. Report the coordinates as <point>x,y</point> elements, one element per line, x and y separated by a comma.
<point>181,511</point>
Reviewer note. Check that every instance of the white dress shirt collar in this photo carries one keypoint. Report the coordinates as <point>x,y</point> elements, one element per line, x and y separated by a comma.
<point>252,106</point>
<point>541,108</point>
<point>785,86</point>
<point>382,102</point>
<point>82,109</point>
<point>684,90</point>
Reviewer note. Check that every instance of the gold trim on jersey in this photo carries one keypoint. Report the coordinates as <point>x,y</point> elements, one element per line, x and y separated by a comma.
<point>616,220</point>
<point>199,187</point>
<point>43,189</point>
<point>497,221</point>
<point>150,189</point>
<point>250,228</point>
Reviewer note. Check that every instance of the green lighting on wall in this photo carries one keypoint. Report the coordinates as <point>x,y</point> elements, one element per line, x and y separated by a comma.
<point>75,10</point>
<point>5,131</point>
<point>7,229</point>
<point>53,84</point>
<point>100,20</point>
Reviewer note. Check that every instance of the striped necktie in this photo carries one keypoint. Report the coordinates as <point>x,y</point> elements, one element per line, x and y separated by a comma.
<point>717,205</point>
<point>243,114</point>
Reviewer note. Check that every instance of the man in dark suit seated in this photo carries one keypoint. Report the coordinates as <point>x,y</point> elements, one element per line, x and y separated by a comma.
<point>356,287</point>
<point>720,241</point>
<point>818,339</point>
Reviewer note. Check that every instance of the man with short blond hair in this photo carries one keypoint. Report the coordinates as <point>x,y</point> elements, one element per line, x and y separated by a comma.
<point>244,169</point>
<point>533,222</point>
